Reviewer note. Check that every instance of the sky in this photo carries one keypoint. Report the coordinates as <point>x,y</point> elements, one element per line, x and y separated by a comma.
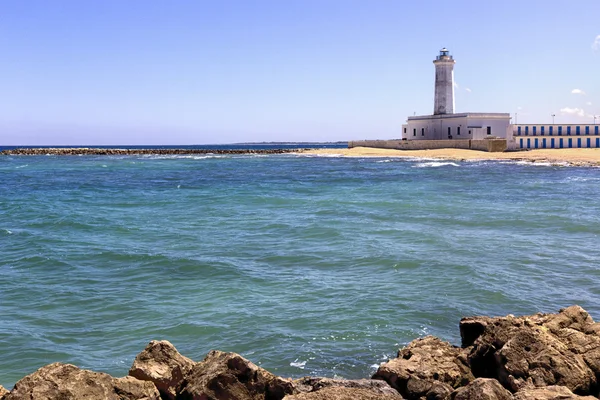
<point>150,72</point>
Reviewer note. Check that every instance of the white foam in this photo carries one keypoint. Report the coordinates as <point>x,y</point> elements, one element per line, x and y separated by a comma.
<point>330,155</point>
<point>316,155</point>
<point>424,159</point>
<point>478,160</point>
<point>436,164</point>
<point>581,179</point>
<point>540,163</point>
<point>182,156</point>
<point>298,364</point>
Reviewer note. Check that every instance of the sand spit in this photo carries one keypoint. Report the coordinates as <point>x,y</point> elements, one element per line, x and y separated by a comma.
<point>573,157</point>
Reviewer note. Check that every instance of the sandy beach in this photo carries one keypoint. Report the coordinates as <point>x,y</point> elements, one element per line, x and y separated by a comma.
<point>577,157</point>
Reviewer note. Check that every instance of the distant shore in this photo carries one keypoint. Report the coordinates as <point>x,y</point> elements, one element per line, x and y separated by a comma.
<point>574,157</point>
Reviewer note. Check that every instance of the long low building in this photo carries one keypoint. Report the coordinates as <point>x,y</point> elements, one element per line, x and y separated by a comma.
<point>556,136</point>
<point>458,126</point>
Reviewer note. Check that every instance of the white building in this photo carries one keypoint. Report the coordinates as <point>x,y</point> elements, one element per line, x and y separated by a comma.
<point>444,124</point>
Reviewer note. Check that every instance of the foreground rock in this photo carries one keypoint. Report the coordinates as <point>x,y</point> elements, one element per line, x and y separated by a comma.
<point>550,393</point>
<point>161,364</point>
<point>343,393</point>
<point>482,389</point>
<point>536,351</point>
<point>67,382</point>
<point>541,357</point>
<point>427,368</point>
<point>230,376</point>
<point>341,389</point>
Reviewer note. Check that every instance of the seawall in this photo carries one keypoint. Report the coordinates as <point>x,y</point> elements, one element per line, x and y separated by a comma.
<point>66,151</point>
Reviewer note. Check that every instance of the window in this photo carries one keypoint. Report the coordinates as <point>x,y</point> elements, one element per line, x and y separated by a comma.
<point>449,131</point>
<point>587,131</point>
<point>469,131</point>
<point>458,130</point>
<point>542,131</point>
<point>404,130</point>
<point>595,130</point>
<point>560,131</point>
<point>550,130</point>
<point>577,130</point>
<point>534,129</point>
<point>489,130</point>
<point>415,132</point>
<point>422,131</point>
<point>568,130</point>
<point>526,130</point>
<point>519,130</point>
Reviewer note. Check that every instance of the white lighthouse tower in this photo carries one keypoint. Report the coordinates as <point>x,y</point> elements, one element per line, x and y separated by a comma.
<point>444,83</point>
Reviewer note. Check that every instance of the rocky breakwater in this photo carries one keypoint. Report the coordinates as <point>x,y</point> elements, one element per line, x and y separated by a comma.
<point>542,356</point>
<point>66,151</point>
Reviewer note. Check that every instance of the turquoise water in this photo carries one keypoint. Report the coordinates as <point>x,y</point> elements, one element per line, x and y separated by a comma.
<point>304,265</point>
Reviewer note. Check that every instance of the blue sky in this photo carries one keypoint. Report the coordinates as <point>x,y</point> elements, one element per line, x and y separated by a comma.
<point>195,72</point>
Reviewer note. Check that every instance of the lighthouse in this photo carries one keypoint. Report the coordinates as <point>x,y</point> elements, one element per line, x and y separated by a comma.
<point>469,130</point>
<point>444,83</point>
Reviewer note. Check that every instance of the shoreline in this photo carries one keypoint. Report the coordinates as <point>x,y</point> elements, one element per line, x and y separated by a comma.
<point>560,157</point>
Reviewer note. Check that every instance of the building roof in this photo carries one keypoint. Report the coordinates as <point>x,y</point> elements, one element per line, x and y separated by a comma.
<point>462,115</point>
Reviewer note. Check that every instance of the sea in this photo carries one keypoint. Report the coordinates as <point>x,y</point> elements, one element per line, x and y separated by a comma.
<point>305,265</point>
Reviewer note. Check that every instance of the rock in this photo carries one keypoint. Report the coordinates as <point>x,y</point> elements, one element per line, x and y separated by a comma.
<point>550,393</point>
<point>537,350</point>
<point>344,393</point>
<point>230,376</point>
<point>161,364</point>
<point>67,382</point>
<point>482,389</point>
<point>427,368</point>
<point>342,387</point>
<point>3,392</point>
<point>129,388</point>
